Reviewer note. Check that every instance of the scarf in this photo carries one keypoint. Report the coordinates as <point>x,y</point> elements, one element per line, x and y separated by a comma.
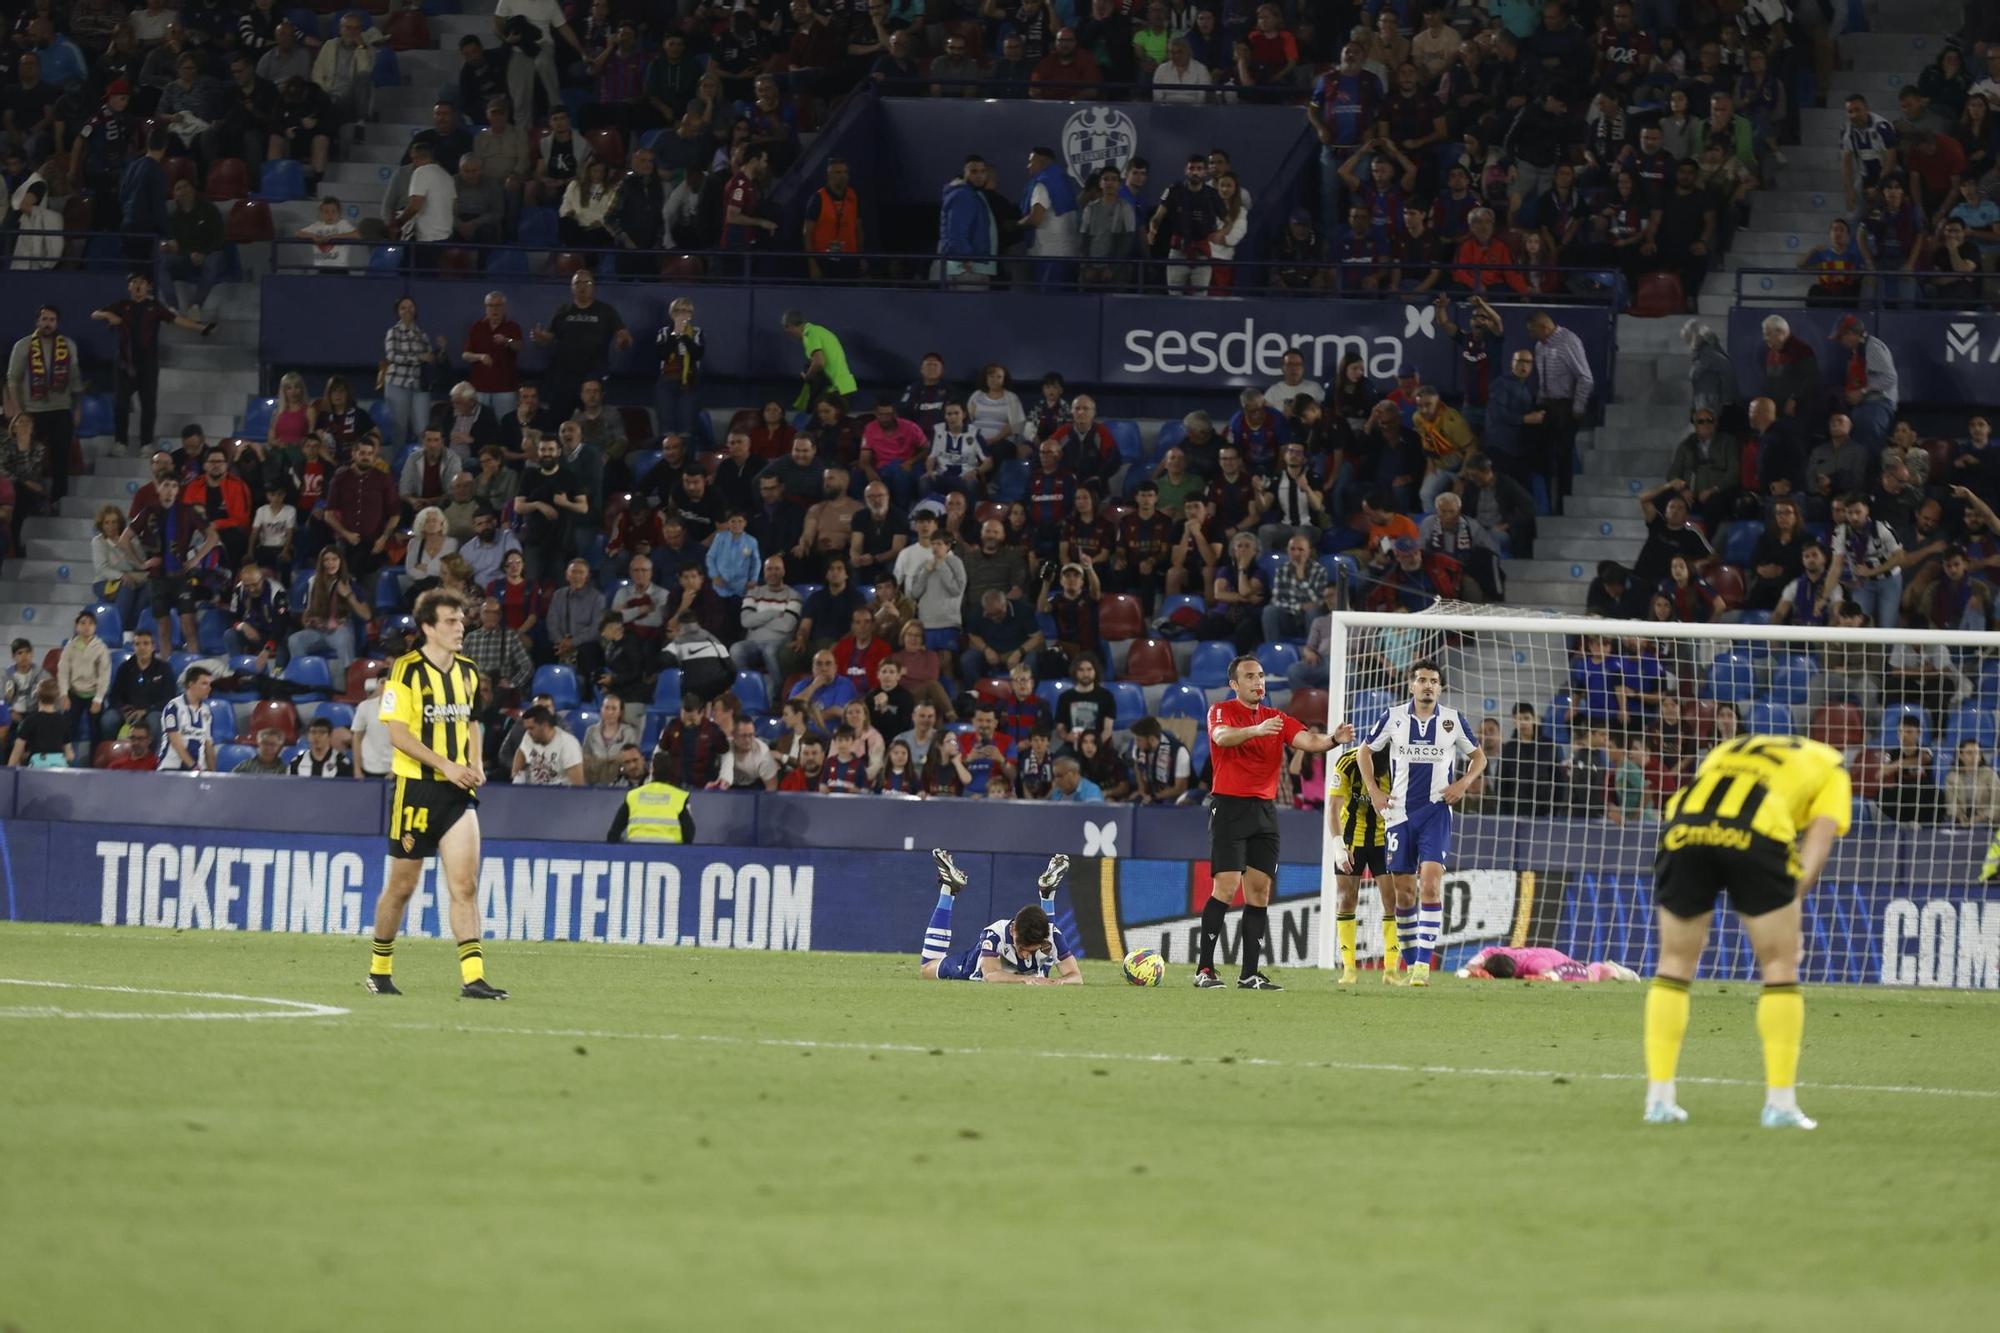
<point>45,377</point>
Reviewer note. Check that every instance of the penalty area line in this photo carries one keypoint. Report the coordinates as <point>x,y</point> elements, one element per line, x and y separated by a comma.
<point>281,1008</point>
<point>1134,1057</point>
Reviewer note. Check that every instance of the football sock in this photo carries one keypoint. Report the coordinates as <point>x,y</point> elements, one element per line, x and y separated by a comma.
<point>1343,925</point>
<point>471,961</point>
<point>1213,913</point>
<point>1430,916</point>
<point>1666,1028</point>
<point>1392,947</point>
<point>1255,921</point>
<point>1781,1024</point>
<point>384,961</point>
<point>1406,931</point>
<point>1049,907</point>
<point>937,936</point>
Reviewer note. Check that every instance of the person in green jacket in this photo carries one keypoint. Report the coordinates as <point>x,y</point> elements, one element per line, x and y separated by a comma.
<point>826,371</point>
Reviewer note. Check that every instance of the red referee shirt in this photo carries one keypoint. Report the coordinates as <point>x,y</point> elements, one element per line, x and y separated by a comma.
<point>1249,769</point>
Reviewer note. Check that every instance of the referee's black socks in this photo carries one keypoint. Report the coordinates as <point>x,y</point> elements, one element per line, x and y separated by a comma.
<point>1256,922</point>
<point>1213,913</point>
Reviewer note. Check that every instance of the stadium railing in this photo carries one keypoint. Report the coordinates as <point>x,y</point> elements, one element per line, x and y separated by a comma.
<point>1875,289</point>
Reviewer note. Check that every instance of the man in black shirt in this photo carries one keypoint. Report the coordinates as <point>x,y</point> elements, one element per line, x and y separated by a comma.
<point>1668,533</point>
<point>1533,773</point>
<point>528,414</point>
<point>701,513</point>
<point>776,522</point>
<point>638,220</point>
<point>140,688</point>
<point>579,336</point>
<point>735,482</point>
<point>479,79</point>
<point>1421,254</point>
<point>551,500</point>
<point>1088,706</point>
<point>1186,216</point>
<point>137,368</point>
<point>1686,236</point>
<point>447,136</point>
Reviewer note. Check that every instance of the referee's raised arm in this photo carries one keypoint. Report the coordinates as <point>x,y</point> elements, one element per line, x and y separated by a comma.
<point>1231,737</point>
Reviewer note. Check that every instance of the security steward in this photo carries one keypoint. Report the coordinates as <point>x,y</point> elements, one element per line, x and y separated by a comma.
<point>655,811</point>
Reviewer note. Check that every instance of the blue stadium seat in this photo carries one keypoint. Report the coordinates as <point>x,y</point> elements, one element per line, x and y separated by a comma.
<point>1892,718</point>
<point>144,621</point>
<point>384,419</point>
<point>1183,700</point>
<point>110,627</point>
<point>1011,482</point>
<point>1278,658</point>
<point>338,714</point>
<point>1366,708</point>
<point>227,757</point>
<point>768,729</point>
<point>1131,447</point>
<point>1180,600</point>
<point>1791,678</point>
<point>95,416</point>
<point>1051,690</point>
<point>1972,721</point>
<point>1129,701</point>
<point>1171,434</point>
<point>211,628</point>
<point>316,673</point>
<point>580,720</point>
<point>1199,756</point>
<point>181,661</point>
<point>559,683</point>
<point>389,589</point>
<point>1338,565</point>
<point>1210,665</point>
<point>1732,678</point>
<point>1268,565</point>
<point>119,656</point>
<point>304,21</point>
<point>667,692</point>
<point>240,664</point>
<point>642,461</point>
<point>752,692</point>
<point>1986,687</point>
<point>1741,543</point>
<point>656,722</point>
<point>388,72</point>
<point>222,726</point>
<point>387,259</point>
<point>257,419</point>
<point>1768,717</point>
<point>282,180</point>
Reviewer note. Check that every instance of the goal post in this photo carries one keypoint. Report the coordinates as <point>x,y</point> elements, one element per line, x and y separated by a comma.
<point>1554,846</point>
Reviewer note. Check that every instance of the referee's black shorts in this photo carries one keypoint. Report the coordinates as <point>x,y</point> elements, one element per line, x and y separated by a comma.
<point>1242,835</point>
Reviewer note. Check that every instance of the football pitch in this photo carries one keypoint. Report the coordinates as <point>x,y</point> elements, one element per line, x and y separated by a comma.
<point>213,1132</point>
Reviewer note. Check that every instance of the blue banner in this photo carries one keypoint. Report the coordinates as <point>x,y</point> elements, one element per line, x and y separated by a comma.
<point>1942,357</point>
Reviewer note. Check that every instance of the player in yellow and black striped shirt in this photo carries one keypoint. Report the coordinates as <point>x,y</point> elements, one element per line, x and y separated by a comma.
<point>427,706</point>
<point>1758,822</point>
<point>1359,843</point>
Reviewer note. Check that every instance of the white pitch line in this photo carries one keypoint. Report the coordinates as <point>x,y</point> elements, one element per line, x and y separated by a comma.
<point>286,1008</point>
<point>1130,1057</point>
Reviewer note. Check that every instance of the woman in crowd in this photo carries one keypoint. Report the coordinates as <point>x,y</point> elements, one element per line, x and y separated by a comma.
<point>326,620</point>
<point>430,544</point>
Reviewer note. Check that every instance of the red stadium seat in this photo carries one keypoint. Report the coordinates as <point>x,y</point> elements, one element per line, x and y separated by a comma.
<point>608,144</point>
<point>359,673</point>
<point>1658,296</point>
<point>182,169</point>
<point>638,422</point>
<point>408,30</point>
<point>249,220</point>
<point>79,211</point>
<point>744,419</point>
<point>1119,616</point>
<point>277,713</point>
<point>228,178</point>
<point>458,259</point>
<point>990,511</point>
<point>1727,580</point>
<point>50,661</point>
<point>1838,725</point>
<point>1700,714</point>
<point>107,751</point>
<point>1151,662</point>
<point>568,263</point>
<point>1308,706</point>
<point>615,504</point>
<point>1866,772</point>
<point>1940,452</point>
<point>683,268</point>
<point>993,689</point>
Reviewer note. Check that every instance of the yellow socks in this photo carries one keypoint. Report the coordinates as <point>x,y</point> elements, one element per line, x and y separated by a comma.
<point>1392,949</point>
<point>1781,1025</point>
<point>471,961</point>
<point>1666,1028</point>
<point>1344,931</point>
<point>384,960</point>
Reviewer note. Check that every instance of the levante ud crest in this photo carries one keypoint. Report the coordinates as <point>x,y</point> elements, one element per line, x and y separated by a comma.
<point>1095,138</point>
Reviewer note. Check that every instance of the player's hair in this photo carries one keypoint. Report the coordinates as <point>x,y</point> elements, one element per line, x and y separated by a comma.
<point>1426,664</point>
<point>430,603</point>
<point>1031,926</point>
<point>1499,966</point>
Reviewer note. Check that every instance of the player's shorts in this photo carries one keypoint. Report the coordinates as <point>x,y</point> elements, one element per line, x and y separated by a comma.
<point>1425,835</point>
<point>1242,835</point>
<point>960,966</point>
<point>1759,878</point>
<point>421,812</point>
<point>1373,860</point>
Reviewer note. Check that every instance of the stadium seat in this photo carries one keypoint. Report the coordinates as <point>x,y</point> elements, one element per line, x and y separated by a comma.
<point>379,413</point>
<point>222,725</point>
<point>178,662</point>
<point>96,416</point>
<point>1768,718</point>
<point>1892,718</point>
<point>338,714</point>
<point>1791,679</point>
<point>249,222</point>
<point>1658,296</point>
<point>227,757</point>
<point>1129,701</point>
<point>277,713</point>
<point>1308,706</point>
<point>580,720</point>
<point>409,30</point>
<point>1151,662</point>
<point>1727,580</point>
<point>993,689</point>
<point>642,461</point>
<point>752,692</point>
<point>1183,700</point>
<point>1131,447</point>
<point>1838,725</point>
<point>559,683</point>
<point>257,418</point>
<point>1209,667</point>
<point>1012,481</point>
<point>768,729</point>
<point>171,639</point>
<point>240,664</point>
<point>316,673</point>
<point>1120,617</point>
<point>1367,708</point>
<point>667,691</point>
<point>108,753</point>
<point>211,630</point>
<point>110,627</point>
<point>1741,543</point>
<point>359,673</point>
<point>608,144</point>
<point>389,589</point>
<point>1050,691</point>
<point>656,722</point>
<point>1278,658</point>
<point>388,71</point>
<point>282,180</point>
<point>228,178</point>
<point>1971,722</point>
<point>1732,678</point>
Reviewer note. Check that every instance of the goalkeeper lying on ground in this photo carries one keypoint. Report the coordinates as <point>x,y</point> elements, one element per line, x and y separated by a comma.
<point>1499,964</point>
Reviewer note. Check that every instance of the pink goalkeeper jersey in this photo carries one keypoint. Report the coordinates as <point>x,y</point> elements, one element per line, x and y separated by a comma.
<point>1527,962</point>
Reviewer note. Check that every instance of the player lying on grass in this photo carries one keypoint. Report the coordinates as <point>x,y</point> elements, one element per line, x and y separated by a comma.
<point>1503,964</point>
<point>1023,951</point>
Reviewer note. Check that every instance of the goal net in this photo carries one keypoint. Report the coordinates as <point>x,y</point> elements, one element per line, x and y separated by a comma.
<point>1590,725</point>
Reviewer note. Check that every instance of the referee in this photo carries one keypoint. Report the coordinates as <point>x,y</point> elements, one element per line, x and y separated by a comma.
<point>1247,743</point>
<point>434,809</point>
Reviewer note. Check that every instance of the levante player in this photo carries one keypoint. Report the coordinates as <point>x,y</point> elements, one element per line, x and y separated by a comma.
<point>1024,950</point>
<point>1247,742</point>
<point>1758,822</point>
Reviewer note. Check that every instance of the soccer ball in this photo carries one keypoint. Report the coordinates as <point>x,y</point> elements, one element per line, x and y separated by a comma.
<point>1145,967</point>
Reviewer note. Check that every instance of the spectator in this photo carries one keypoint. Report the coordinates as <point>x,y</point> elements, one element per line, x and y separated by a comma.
<point>325,629</point>
<point>968,233</point>
<point>1447,530</point>
<point>83,678</point>
<point>269,760</point>
<point>1566,387</point>
<point>187,726</point>
<point>169,540</point>
<point>1867,561</point>
<point>319,759</point>
<point>24,679</point>
<point>1972,788</point>
<point>691,748</point>
<point>362,507</point>
<point>827,690</point>
<point>1099,765</point>
<point>344,71</point>
<point>549,755</point>
<point>1840,463</point>
<point>1296,592</point>
<point>581,335</point>
<point>41,738</point>
<point>1071,785</point>
<point>139,689</point>
<point>44,382</point>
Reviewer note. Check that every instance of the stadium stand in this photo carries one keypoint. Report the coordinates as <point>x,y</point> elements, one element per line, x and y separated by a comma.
<point>1466,172</point>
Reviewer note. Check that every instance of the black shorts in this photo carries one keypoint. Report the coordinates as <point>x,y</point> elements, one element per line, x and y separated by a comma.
<point>1374,860</point>
<point>1759,878</point>
<point>421,812</point>
<point>170,593</point>
<point>1242,835</point>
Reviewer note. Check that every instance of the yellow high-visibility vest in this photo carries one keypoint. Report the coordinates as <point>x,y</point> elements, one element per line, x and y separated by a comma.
<point>653,812</point>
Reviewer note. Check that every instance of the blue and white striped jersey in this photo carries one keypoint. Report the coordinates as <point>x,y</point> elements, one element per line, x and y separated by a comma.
<point>997,941</point>
<point>1869,142</point>
<point>1422,754</point>
<point>193,722</point>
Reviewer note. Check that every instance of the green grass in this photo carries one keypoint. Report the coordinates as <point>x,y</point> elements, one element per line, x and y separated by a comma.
<point>673,1139</point>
